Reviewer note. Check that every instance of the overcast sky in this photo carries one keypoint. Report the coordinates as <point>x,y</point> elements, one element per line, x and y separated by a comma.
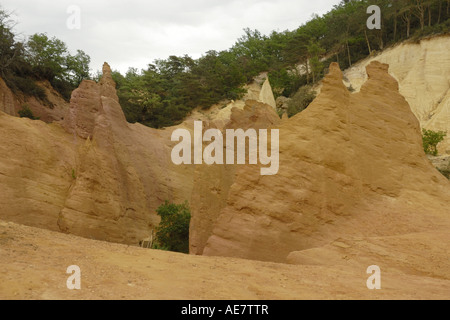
<point>133,33</point>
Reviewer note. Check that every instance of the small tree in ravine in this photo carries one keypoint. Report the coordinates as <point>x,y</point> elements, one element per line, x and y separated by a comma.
<point>172,234</point>
<point>431,139</point>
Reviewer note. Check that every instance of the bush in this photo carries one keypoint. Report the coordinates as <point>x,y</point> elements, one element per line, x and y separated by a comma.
<point>301,100</point>
<point>286,82</point>
<point>445,170</point>
<point>172,234</point>
<point>445,173</point>
<point>64,88</point>
<point>28,87</point>
<point>26,112</point>
<point>431,139</point>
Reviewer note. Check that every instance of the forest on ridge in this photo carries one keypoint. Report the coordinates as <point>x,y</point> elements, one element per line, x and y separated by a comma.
<point>166,91</point>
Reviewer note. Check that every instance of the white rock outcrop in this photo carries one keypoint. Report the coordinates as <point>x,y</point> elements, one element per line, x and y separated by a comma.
<point>266,95</point>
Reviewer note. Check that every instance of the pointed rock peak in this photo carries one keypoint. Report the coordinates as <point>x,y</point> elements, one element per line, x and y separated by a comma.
<point>376,68</point>
<point>335,70</point>
<point>106,68</point>
<point>333,80</point>
<point>107,75</point>
<point>107,83</point>
<point>266,94</point>
<point>380,72</point>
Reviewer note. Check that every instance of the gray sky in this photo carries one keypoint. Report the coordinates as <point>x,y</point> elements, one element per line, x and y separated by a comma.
<point>133,33</point>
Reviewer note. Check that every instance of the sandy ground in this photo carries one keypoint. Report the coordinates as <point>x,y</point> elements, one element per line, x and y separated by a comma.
<point>33,265</point>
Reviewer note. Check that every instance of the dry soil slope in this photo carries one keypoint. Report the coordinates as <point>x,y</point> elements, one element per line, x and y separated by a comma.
<point>34,262</point>
<point>11,103</point>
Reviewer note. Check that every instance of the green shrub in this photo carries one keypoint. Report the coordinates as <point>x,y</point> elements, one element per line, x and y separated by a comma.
<point>172,234</point>
<point>26,112</point>
<point>431,139</point>
<point>301,100</point>
<point>28,87</point>
<point>445,173</point>
<point>64,88</point>
<point>157,246</point>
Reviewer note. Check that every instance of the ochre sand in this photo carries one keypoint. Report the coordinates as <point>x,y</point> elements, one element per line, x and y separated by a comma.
<point>34,262</point>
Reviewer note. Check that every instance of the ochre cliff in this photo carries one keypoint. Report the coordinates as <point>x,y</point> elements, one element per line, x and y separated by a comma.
<point>212,183</point>
<point>93,174</point>
<point>352,172</point>
<point>351,167</point>
<point>422,70</point>
<point>53,110</point>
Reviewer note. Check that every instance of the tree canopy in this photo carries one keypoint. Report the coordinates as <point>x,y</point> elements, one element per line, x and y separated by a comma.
<point>167,90</point>
<point>38,57</point>
<point>164,93</point>
<point>172,233</point>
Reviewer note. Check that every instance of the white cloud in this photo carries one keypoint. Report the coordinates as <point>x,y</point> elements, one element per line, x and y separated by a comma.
<point>135,32</point>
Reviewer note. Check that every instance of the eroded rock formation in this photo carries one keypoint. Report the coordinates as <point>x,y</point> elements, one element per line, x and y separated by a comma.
<point>422,70</point>
<point>212,183</point>
<point>93,174</point>
<point>53,110</point>
<point>351,166</point>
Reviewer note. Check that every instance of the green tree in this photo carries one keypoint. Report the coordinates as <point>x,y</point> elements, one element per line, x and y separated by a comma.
<point>315,52</point>
<point>286,82</point>
<point>173,230</point>
<point>78,67</point>
<point>431,139</point>
<point>51,60</point>
<point>47,56</point>
<point>170,88</point>
<point>301,100</point>
<point>10,50</point>
<point>295,51</point>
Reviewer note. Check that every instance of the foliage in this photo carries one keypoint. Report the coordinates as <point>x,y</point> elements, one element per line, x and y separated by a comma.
<point>431,139</point>
<point>157,246</point>
<point>286,82</point>
<point>26,112</point>
<point>50,60</point>
<point>445,170</point>
<point>314,54</point>
<point>300,100</point>
<point>40,57</point>
<point>77,67</point>
<point>445,173</point>
<point>46,56</point>
<point>169,89</point>
<point>172,234</point>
